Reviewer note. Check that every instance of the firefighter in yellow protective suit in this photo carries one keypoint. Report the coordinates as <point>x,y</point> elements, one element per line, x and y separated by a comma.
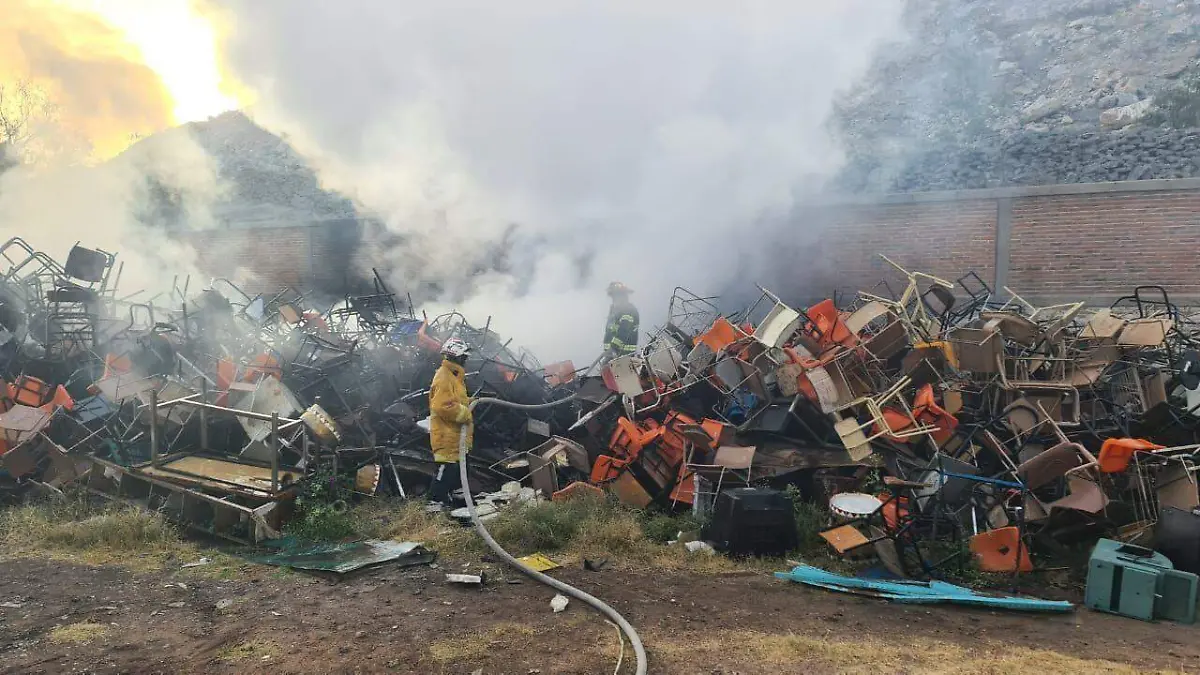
<point>448,414</point>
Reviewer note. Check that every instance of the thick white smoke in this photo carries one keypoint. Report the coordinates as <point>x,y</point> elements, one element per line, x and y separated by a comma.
<point>645,142</point>
<point>108,207</point>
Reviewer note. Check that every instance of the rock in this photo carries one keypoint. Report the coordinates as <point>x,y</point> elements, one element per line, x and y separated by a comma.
<point>1178,66</point>
<point>1057,73</point>
<point>1007,67</point>
<point>1139,173</point>
<point>1110,101</point>
<point>559,603</point>
<point>1125,115</point>
<point>224,604</point>
<point>1125,98</point>
<point>1041,108</point>
<point>1037,127</point>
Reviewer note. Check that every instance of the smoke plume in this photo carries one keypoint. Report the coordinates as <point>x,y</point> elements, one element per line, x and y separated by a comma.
<point>102,93</point>
<point>118,207</point>
<point>86,95</point>
<point>524,154</point>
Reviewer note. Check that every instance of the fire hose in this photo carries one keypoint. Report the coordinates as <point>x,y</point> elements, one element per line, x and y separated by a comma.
<point>594,602</point>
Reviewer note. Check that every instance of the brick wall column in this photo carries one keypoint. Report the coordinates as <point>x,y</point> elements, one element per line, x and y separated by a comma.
<point>1003,241</point>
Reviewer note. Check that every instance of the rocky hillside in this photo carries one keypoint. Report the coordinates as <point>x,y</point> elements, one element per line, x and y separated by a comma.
<point>241,173</point>
<point>1027,91</point>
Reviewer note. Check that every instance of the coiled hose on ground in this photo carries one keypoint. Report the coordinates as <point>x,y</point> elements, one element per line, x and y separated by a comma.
<point>597,604</point>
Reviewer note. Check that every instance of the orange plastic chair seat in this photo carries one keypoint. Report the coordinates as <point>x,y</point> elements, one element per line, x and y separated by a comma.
<point>833,330</point>
<point>685,488</point>
<point>261,366</point>
<point>425,342</point>
<point>29,391</point>
<point>896,422</point>
<point>927,411</point>
<point>628,438</point>
<point>996,551</point>
<point>607,468</point>
<point>116,365</point>
<point>1116,453</point>
<point>61,399</point>
<point>577,490</point>
<point>894,510</point>
<point>719,336</point>
<point>561,373</point>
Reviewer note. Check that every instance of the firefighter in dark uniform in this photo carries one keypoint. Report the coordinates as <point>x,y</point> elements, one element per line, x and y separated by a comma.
<point>621,332</point>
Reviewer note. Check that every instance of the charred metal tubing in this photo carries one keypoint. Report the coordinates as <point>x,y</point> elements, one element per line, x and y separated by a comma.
<point>274,453</point>
<point>594,602</point>
<point>285,423</point>
<point>204,413</point>
<point>154,428</point>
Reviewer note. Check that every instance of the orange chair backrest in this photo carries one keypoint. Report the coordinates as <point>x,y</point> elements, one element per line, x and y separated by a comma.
<point>117,364</point>
<point>30,391</point>
<point>997,551</point>
<point>833,329</point>
<point>927,411</point>
<point>1115,453</point>
<point>61,399</point>
<point>719,336</point>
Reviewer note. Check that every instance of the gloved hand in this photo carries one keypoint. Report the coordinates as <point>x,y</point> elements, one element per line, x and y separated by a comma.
<point>465,415</point>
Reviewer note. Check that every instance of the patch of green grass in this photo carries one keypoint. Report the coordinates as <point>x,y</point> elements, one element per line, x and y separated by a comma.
<point>80,529</point>
<point>409,521</point>
<point>460,649</point>
<point>663,527</point>
<point>322,511</point>
<point>810,520</point>
<point>83,632</point>
<point>554,526</point>
<point>123,528</point>
<point>261,650</point>
<point>588,527</point>
<point>81,524</point>
<point>323,522</point>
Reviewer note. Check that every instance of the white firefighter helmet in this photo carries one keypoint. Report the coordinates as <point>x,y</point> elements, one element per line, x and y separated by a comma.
<point>455,348</point>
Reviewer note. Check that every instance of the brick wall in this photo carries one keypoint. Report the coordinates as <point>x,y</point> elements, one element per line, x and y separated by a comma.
<point>262,259</point>
<point>1105,244</point>
<point>1050,243</point>
<point>945,239</point>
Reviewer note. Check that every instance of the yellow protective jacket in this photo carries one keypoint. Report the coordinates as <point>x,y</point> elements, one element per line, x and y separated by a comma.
<point>448,412</point>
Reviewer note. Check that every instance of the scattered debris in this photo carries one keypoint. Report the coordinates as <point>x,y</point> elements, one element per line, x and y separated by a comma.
<point>927,417</point>
<point>559,603</point>
<point>538,562</point>
<point>343,558</point>
<point>1139,583</point>
<point>928,592</point>
<point>467,579</point>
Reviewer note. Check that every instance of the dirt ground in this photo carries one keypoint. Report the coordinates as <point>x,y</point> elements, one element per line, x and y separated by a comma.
<point>60,617</point>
